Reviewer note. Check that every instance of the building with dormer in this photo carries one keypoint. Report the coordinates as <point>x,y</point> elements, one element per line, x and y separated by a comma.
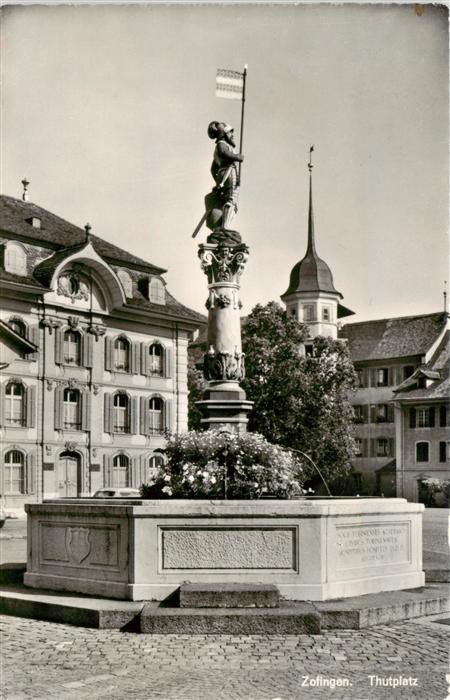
<point>93,359</point>
<point>401,407</point>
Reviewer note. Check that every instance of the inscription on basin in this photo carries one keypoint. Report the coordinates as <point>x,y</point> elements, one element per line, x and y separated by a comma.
<point>373,545</point>
<point>228,548</point>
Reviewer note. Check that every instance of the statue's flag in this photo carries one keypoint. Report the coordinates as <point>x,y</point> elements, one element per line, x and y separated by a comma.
<point>229,84</point>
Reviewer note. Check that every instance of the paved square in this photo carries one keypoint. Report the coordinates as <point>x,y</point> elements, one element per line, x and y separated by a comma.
<point>43,660</point>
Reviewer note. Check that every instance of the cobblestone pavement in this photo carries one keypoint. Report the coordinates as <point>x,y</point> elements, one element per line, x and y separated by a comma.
<point>43,660</point>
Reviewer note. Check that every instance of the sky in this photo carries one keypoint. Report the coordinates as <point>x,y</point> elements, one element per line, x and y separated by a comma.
<point>105,110</point>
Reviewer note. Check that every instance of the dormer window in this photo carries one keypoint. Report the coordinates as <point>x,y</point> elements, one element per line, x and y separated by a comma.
<point>156,291</point>
<point>15,259</point>
<point>34,221</point>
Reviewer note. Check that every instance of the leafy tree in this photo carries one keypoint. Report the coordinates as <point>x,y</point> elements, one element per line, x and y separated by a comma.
<point>301,399</point>
<point>196,386</point>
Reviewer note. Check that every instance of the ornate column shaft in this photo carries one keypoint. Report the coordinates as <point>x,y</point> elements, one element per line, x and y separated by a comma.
<point>224,402</point>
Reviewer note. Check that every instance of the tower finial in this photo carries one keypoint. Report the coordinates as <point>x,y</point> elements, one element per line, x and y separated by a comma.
<point>445,297</point>
<point>310,165</point>
<point>311,250</point>
<point>25,184</point>
<point>88,229</point>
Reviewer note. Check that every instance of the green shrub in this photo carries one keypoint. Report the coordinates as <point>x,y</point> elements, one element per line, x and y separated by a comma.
<point>218,464</point>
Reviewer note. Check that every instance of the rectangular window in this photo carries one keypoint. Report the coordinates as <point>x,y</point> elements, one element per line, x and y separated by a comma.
<point>423,417</point>
<point>358,413</point>
<point>443,451</point>
<point>309,312</point>
<point>358,447</point>
<point>381,413</point>
<point>326,313</point>
<point>443,416</point>
<point>422,451</point>
<point>360,374</point>
<point>382,447</point>
<point>382,376</point>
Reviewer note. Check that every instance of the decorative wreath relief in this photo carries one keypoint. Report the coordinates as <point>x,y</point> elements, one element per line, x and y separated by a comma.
<point>218,464</point>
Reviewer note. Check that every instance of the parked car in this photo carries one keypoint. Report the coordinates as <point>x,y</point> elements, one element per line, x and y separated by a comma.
<point>117,493</point>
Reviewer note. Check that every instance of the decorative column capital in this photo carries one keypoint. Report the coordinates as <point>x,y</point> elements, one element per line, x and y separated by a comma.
<point>223,263</point>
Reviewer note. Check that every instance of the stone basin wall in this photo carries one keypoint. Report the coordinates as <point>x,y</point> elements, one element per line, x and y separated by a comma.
<point>143,550</point>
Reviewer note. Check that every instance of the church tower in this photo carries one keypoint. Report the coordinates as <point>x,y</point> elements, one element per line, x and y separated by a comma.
<point>311,296</point>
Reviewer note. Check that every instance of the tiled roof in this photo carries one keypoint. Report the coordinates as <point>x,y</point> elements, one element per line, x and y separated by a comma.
<point>392,337</point>
<point>20,279</point>
<point>437,370</point>
<point>58,233</point>
<point>64,239</point>
<point>171,306</point>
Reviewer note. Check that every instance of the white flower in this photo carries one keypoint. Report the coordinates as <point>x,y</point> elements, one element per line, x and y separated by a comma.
<point>213,480</point>
<point>168,490</point>
<point>191,478</point>
<point>167,477</point>
<point>205,474</point>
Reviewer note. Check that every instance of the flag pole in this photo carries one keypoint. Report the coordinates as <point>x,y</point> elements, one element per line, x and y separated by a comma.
<point>244,76</point>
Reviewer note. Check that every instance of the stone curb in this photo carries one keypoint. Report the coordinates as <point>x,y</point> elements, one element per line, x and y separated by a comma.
<point>297,617</point>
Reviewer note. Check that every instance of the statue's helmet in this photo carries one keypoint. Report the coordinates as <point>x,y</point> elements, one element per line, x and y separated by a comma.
<point>217,130</point>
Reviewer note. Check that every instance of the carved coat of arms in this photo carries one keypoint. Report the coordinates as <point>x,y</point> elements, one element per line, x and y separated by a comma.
<point>78,543</point>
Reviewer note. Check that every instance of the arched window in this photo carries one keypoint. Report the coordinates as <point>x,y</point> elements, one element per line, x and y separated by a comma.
<point>126,282</point>
<point>154,462</point>
<point>121,421</point>
<point>72,348</point>
<point>121,471</point>
<point>156,417</point>
<point>15,404</point>
<point>72,412</point>
<point>156,292</point>
<point>155,359</point>
<point>422,451</point>
<point>121,355</point>
<point>15,259</point>
<point>14,472</point>
<point>18,326</point>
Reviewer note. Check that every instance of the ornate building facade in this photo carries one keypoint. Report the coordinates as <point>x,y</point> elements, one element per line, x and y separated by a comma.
<point>93,359</point>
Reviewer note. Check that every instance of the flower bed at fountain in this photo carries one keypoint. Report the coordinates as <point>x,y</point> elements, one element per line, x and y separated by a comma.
<point>218,464</point>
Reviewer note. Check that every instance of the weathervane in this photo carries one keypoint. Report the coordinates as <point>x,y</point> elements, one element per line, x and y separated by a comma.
<point>25,184</point>
<point>310,165</point>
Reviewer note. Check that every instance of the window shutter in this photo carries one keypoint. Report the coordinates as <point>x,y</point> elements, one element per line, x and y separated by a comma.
<point>30,474</point>
<point>391,413</point>
<point>2,403</point>
<point>442,451</point>
<point>431,412</point>
<point>108,353</point>
<point>143,414</point>
<point>364,447</point>
<point>373,377</point>
<point>108,411</point>
<point>167,362</point>
<point>412,417</point>
<point>133,414</point>
<point>144,358</point>
<point>373,447</point>
<point>59,407</point>
<point>59,346</point>
<point>168,415</point>
<point>88,350</point>
<point>392,447</point>
<point>443,416</point>
<point>365,413</point>
<point>135,357</point>
<point>86,410</point>
<point>33,335</point>
<point>107,465</point>
<point>31,406</point>
<point>391,376</point>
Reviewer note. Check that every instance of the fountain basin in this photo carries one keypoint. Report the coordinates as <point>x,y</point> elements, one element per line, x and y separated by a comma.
<point>319,549</point>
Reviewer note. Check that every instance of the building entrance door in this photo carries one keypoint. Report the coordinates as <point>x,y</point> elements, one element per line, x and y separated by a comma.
<point>69,475</point>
